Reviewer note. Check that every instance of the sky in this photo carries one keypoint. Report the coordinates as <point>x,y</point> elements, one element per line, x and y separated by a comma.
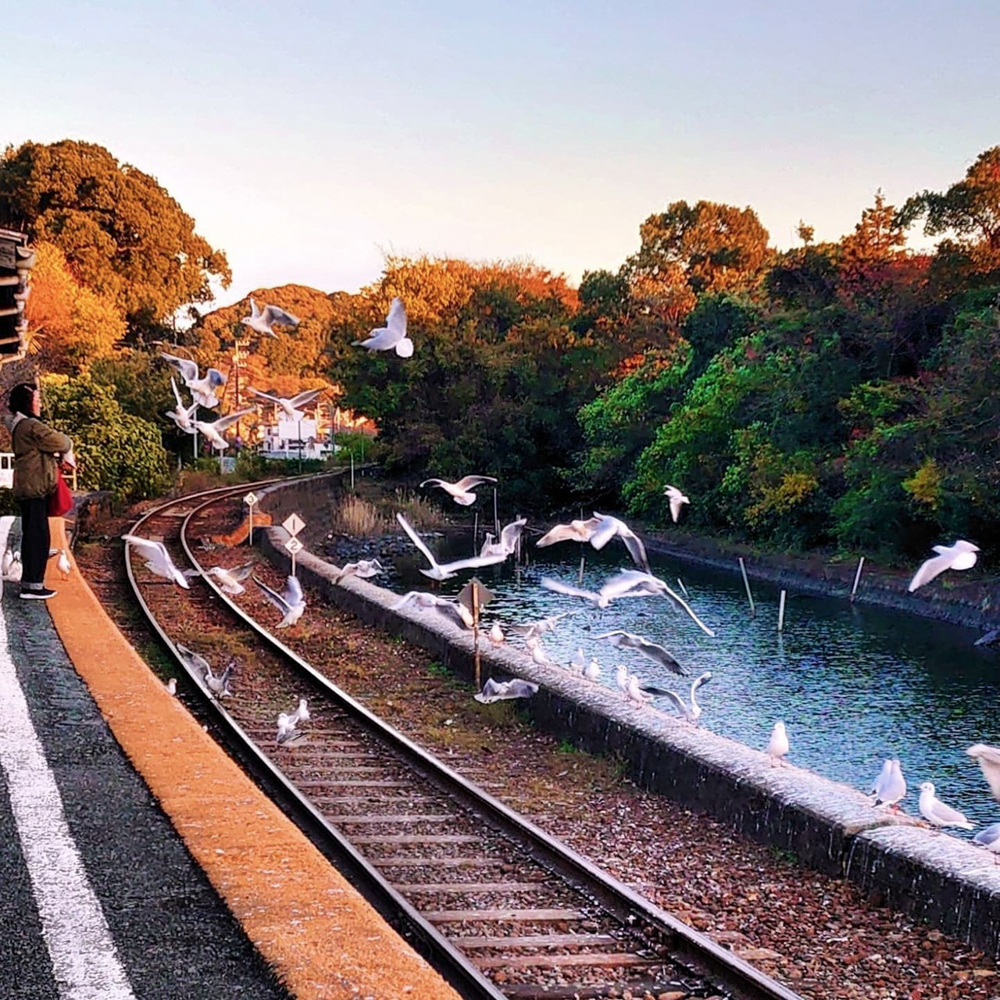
<point>311,138</point>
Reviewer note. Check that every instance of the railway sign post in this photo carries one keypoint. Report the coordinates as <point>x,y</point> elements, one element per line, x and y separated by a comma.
<point>475,596</point>
<point>293,524</point>
<point>250,500</point>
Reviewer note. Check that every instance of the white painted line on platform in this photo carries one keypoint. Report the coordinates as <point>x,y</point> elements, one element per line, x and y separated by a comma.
<point>84,959</point>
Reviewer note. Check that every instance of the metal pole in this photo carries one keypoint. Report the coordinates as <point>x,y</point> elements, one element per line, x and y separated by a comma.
<point>496,519</point>
<point>352,470</point>
<point>746,583</point>
<point>781,611</point>
<point>475,531</point>
<point>684,590</point>
<point>250,543</point>
<point>857,577</point>
<point>293,564</point>
<point>583,563</point>
<point>300,446</point>
<point>475,632</point>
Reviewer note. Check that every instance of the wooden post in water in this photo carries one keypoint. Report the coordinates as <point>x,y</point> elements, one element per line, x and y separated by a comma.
<point>496,517</point>
<point>684,590</point>
<point>583,563</point>
<point>746,583</point>
<point>857,577</point>
<point>475,634</point>
<point>352,470</point>
<point>475,530</point>
<point>781,611</point>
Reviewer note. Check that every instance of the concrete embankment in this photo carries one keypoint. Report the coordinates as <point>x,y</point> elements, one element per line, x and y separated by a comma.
<point>827,825</point>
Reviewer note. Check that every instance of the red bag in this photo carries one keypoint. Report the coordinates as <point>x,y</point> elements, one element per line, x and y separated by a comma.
<point>60,499</point>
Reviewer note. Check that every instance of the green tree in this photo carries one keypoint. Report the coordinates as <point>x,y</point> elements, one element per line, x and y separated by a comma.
<point>121,232</point>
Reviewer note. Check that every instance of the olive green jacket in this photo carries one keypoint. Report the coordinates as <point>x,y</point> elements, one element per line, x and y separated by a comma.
<point>36,446</point>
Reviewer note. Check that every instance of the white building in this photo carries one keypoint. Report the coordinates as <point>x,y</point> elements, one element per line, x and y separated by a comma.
<point>291,438</point>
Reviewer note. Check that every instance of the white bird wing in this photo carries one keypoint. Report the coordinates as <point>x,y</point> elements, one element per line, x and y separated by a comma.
<point>396,320</point>
<point>989,764</point>
<point>273,596</point>
<point>223,423</point>
<point>619,638</point>
<point>473,562</point>
<point>679,703</point>
<point>188,369</point>
<point>467,482</point>
<point>177,394</point>
<point>565,588</point>
<point>300,400</point>
<point>216,378</point>
<point>687,607</point>
<point>292,594</point>
<point>275,314</point>
<point>930,569</point>
<point>511,533</point>
<point>606,529</point>
<point>264,395</point>
<point>417,540</point>
<point>155,552</point>
<point>945,813</point>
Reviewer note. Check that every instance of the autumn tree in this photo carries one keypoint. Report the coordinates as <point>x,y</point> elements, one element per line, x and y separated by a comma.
<point>122,234</point>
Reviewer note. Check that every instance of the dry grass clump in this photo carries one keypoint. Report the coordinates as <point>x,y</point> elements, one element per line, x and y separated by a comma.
<point>420,512</point>
<point>358,518</point>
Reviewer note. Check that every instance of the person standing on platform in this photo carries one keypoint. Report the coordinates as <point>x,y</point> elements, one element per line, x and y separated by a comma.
<point>38,450</point>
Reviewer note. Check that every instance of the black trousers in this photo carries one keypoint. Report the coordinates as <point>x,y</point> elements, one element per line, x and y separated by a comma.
<point>34,541</point>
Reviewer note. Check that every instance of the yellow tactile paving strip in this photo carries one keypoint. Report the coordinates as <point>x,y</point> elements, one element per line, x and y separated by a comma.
<point>317,932</point>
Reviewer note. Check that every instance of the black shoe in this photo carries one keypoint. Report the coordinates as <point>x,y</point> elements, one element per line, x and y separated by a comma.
<point>42,594</point>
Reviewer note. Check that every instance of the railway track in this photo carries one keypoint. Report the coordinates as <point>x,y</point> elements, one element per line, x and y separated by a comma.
<point>498,906</point>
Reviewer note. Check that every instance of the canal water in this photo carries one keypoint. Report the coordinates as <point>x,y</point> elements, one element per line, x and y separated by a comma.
<point>853,684</point>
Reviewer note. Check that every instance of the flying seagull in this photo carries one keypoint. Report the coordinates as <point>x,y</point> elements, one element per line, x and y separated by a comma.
<point>509,537</point>
<point>502,690</point>
<point>158,560</point>
<point>197,664</point>
<point>989,763</point>
<point>392,336</point>
<point>202,389</point>
<point>219,684</point>
<point>959,555</point>
<point>292,406</point>
<point>213,431</point>
<point>461,492</point>
<point>262,322</point>
<point>230,580</point>
<point>363,569</point>
<point>598,530</point>
<point>626,640</point>
<point>290,602</point>
<point>676,500</point>
<point>690,709</point>
<point>937,813</point>
<point>444,571</point>
<point>182,415</point>
<point>456,612</point>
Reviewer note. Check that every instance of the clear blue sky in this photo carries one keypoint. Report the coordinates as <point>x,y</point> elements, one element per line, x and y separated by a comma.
<point>308,137</point>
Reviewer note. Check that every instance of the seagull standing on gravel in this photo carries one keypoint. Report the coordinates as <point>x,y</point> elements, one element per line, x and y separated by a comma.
<point>261,322</point>
<point>290,602</point>
<point>219,684</point>
<point>63,564</point>
<point>288,735</point>
<point>778,746</point>
<point>503,690</point>
<point>292,406</point>
<point>213,431</point>
<point>937,813</point>
<point>690,710</point>
<point>959,555</point>
<point>626,640</point>
<point>461,492</point>
<point>202,389</point>
<point>677,499</point>
<point>158,560</point>
<point>444,571</point>
<point>392,336</point>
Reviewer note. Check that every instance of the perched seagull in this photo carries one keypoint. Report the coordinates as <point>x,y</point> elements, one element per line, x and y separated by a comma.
<point>158,560</point>
<point>960,555</point>
<point>989,837</point>
<point>937,813</point>
<point>579,661</point>
<point>290,602</point>
<point>989,763</point>
<point>676,500</point>
<point>592,671</point>
<point>537,651</point>
<point>392,336</point>
<point>502,690</point>
<point>635,693</point>
<point>219,685</point>
<point>182,415</point>
<point>230,580</point>
<point>621,678</point>
<point>262,322</point>
<point>301,713</point>
<point>11,564</point>
<point>509,537</point>
<point>626,640</point>
<point>461,492</point>
<point>690,710</point>
<point>288,735</point>
<point>363,569</point>
<point>496,635</point>
<point>456,612</point>
<point>292,407</point>
<point>598,530</point>
<point>444,571</point>
<point>171,686</point>
<point>890,785</point>
<point>213,431</point>
<point>202,389</point>
<point>777,746</point>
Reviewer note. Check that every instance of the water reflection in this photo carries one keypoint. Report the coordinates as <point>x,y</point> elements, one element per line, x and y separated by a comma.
<point>853,684</point>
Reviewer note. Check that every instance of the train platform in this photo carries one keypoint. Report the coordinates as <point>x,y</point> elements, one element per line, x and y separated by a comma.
<point>138,860</point>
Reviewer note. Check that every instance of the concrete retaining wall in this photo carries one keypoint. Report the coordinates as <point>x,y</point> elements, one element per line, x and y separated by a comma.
<point>827,825</point>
